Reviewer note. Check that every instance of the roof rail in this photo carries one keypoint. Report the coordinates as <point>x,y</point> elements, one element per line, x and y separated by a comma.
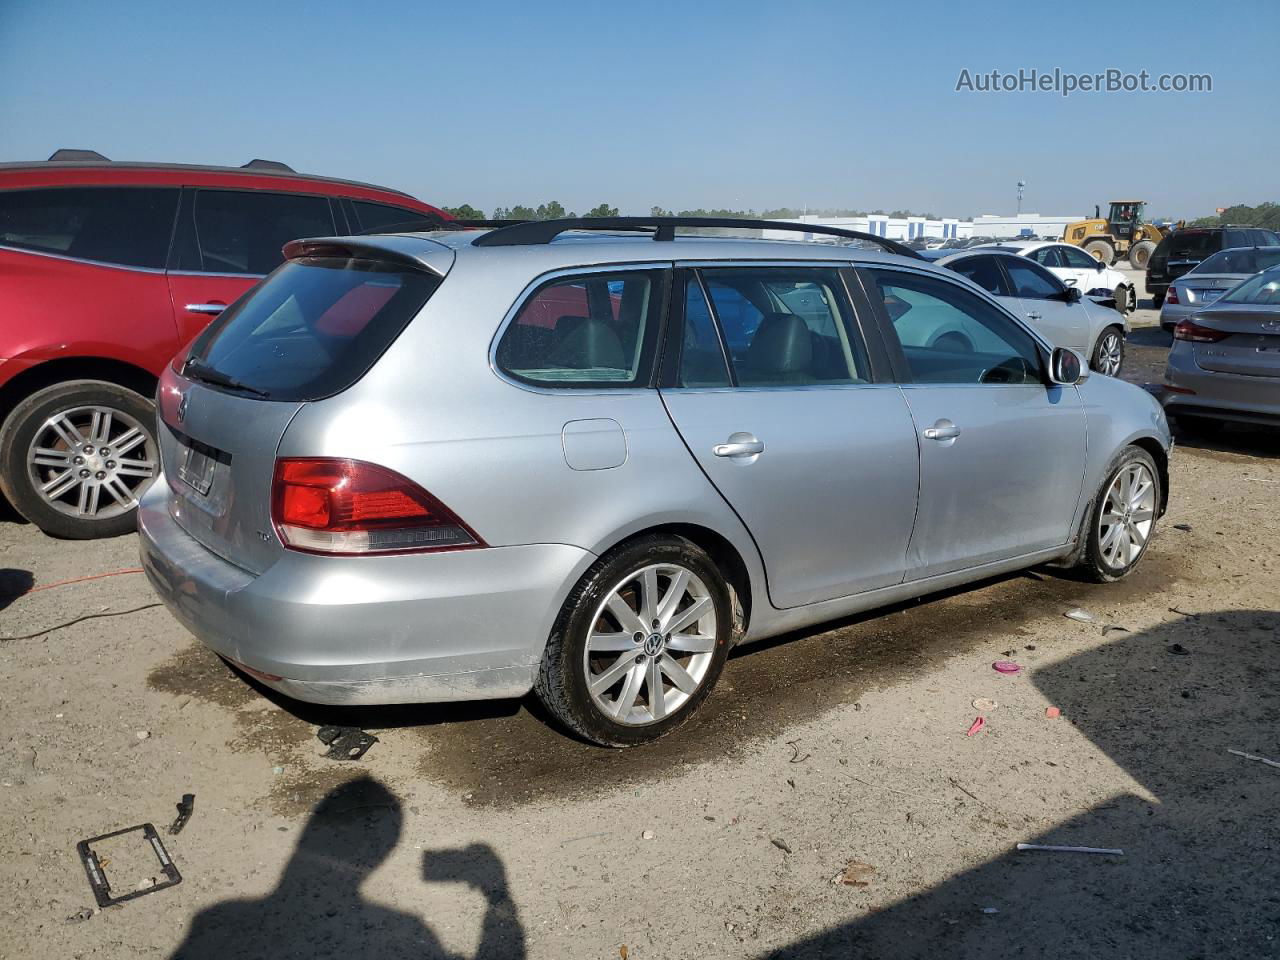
<point>256,164</point>
<point>664,228</point>
<point>427,224</point>
<point>66,155</point>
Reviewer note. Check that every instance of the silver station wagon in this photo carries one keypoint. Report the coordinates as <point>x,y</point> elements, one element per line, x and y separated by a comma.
<point>589,457</point>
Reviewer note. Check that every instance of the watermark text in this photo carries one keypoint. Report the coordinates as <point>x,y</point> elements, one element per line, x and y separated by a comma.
<point>1065,83</point>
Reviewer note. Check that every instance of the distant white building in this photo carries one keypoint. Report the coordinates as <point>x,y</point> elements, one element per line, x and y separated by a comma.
<point>893,228</point>
<point>1022,225</point>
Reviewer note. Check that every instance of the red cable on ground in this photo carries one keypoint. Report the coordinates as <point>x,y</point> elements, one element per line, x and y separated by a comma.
<point>63,583</point>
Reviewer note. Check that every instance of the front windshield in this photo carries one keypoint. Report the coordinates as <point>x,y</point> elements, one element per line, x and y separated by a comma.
<point>1243,260</point>
<point>1264,288</point>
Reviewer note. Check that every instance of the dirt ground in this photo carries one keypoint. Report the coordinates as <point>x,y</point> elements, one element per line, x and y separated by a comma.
<point>479,830</point>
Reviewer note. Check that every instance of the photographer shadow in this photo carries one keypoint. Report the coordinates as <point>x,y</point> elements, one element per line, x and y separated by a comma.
<point>317,909</point>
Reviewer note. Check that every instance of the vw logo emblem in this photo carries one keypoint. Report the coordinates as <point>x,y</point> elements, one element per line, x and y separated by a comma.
<point>653,644</point>
<point>182,407</point>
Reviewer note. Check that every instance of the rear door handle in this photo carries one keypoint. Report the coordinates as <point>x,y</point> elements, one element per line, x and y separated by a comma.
<point>213,309</point>
<point>739,445</point>
<point>942,430</point>
<point>1033,316</point>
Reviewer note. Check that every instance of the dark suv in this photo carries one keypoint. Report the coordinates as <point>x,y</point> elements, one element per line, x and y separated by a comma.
<point>108,269</point>
<point>1182,249</point>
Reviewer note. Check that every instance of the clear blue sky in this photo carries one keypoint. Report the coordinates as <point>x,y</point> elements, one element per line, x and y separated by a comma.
<point>737,104</point>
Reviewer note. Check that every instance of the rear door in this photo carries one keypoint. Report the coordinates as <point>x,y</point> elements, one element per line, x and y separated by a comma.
<point>791,413</point>
<point>1002,454</point>
<point>227,240</point>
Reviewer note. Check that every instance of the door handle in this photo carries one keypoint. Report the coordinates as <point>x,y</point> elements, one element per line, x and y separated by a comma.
<point>739,445</point>
<point>1033,316</point>
<point>942,430</point>
<point>213,309</point>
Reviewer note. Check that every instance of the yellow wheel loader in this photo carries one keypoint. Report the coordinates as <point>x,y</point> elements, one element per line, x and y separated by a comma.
<point>1122,233</point>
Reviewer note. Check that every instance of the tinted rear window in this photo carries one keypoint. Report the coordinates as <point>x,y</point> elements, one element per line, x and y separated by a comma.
<point>1243,260</point>
<point>130,226</point>
<point>1190,244</point>
<point>315,326</point>
<point>243,231</point>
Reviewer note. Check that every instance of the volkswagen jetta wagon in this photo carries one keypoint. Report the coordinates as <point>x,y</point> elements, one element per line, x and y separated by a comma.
<point>463,465</point>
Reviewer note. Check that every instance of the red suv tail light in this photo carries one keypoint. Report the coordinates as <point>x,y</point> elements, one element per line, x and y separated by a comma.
<point>1171,295</point>
<point>1193,332</point>
<point>323,505</point>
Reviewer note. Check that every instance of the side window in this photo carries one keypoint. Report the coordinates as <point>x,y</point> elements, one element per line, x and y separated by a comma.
<point>786,326</point>
<point>949,335</point>
<point>985,272</point>
<point>1235,238</point>
<point>1077,259</point>
<point>130,226</point>
<point>1030,280</point>
<point>701,357</point>
<point>596,330</point>
<point>375,215</point>
<point>243,231</point>
<point>1047,257</point>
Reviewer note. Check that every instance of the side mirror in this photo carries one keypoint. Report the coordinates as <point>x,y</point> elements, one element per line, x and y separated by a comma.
<point>1067,368</point>
<point>1072,295</point>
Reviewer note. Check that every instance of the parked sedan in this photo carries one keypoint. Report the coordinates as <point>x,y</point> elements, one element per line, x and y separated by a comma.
<point>1211,278</point>
<point>1076,268</point>
<point>1225,361</point>
<point>470,465</point>
<point>1054,308</point>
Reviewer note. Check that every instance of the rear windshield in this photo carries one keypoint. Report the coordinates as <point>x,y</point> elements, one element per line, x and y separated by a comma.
<point>1264,288</point>
<point>1240,260</point>
<point>313,327</point>
<point>1190,244</point>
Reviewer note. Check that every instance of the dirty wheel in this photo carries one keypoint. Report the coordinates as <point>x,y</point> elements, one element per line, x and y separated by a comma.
<point>1123,517</point>
<point>1101,250</point>
<point>639,644</point>
<point>1140,253</point>
<point>1126,299</point>
<point>76,456</point>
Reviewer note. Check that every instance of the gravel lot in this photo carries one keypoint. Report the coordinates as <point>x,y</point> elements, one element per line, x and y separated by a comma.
<point>477,830</point>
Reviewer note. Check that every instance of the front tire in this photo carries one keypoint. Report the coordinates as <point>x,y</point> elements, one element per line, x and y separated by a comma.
<point>1126,299</point>
<point>76,456</point>
<point>618,691</point>
<point>1108,352</point>
<point>1123,518</point>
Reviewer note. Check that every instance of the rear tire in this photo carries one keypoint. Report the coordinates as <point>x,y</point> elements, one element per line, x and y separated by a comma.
<point>1157,300</point>
<point>1101,250</point>
<point>1140,254</point>
<point>598,680</point>
<point>1108,352</point>
<point>1110,553</point>
<point>69,491</point>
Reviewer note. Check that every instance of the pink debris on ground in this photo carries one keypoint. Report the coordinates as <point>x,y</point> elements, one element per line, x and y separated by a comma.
<point>977,725</point>
<point>1052,712</point>
<point>1005,666</point>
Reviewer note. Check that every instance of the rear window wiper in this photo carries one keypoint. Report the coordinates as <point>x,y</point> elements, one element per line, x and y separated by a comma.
<point>199,370</point>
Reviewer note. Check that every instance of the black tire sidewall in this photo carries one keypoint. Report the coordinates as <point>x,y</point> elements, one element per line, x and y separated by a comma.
<point>1097,565</point>
<point>1095,363</point>
<point>20,427</point>
<point>569,698</point>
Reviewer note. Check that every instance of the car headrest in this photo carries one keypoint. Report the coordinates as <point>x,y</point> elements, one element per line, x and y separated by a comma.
<point>587,343</point>
<point>782,344</point>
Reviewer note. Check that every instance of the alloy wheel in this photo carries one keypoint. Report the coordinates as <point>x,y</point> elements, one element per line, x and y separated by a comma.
<point>1110,354</point>
<point>92,462</point>
<point>651,644</point>
<point>1128,514</point>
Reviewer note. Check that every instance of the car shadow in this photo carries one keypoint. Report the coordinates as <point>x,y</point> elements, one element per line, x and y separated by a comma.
<point>1199,876</point>
<point>1237,438</point>
<point>14,583</point>
<point>317,909</point>
<point>1150,337</point>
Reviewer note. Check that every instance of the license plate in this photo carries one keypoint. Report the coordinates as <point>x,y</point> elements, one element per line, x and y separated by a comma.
<point>196,470</point>
<point>1208,296</point>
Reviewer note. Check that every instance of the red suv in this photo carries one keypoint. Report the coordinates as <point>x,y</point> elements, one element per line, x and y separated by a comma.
<point>106,270</point>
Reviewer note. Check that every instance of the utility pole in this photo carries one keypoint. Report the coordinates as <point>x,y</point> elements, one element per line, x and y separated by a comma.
<point>1021,184</point>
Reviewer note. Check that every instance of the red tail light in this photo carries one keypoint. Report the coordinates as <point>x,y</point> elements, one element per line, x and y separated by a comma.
<point>1193,332</point>
<point>1171,295</point>
<point>322,505</point>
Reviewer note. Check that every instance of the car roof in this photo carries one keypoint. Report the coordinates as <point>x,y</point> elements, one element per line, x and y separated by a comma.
<point>591,249</point>
<point>45,173</point>
<point>1023,247</point>
<point>976,252</point>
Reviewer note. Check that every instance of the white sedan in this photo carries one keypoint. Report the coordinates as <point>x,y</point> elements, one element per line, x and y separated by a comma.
<point>1075,268</point>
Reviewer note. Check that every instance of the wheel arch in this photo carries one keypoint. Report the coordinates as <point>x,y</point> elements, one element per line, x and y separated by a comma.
<point>1161,456</point>
<point>46,374</point>
<point>723,553</point>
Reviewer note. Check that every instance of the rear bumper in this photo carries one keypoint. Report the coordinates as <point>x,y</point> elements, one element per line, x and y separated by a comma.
<point>463,625</point>
<point>1224,396</point>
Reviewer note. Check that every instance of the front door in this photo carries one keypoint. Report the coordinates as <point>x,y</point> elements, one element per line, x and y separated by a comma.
<point>1002,454</point>
<point>1045,306</point>
<point>775,397</point>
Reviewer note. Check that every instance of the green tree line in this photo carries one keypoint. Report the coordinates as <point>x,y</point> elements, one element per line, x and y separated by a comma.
<point>1266,215</point>
<point>554,210</point>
